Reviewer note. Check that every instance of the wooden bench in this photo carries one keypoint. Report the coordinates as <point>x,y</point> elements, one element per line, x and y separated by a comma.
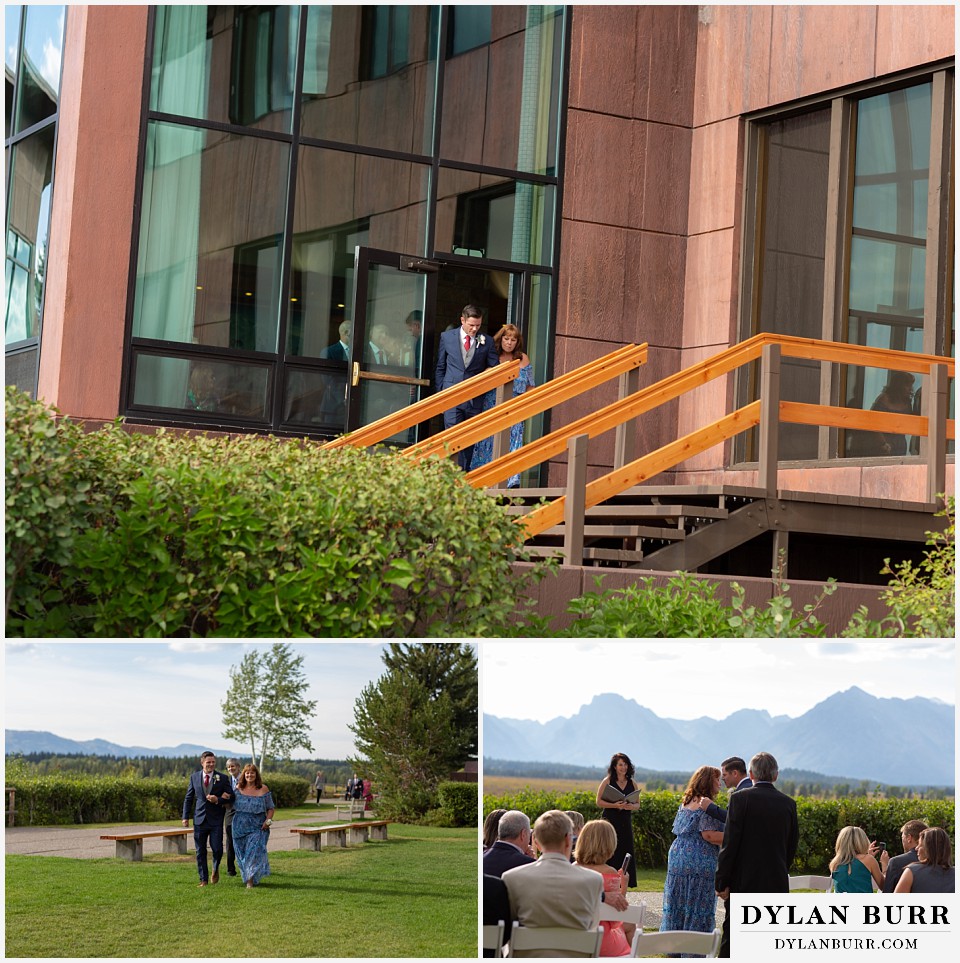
<point>354,809</point>
<point>130,845</point>
<point>331,837</point>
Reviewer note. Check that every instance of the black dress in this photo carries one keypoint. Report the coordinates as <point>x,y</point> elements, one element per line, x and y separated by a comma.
<point>622,822</point>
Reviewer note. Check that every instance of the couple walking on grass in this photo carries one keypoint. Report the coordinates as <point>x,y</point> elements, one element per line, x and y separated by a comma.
<point>239,799</point>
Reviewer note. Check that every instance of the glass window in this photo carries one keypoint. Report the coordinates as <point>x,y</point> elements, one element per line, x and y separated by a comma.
<point>39,89</point>
<point>383,98</point>
<point>11,52</point>
<point>501,100</point>
<point>28,218</point>
<point>201,387</point>
<point>469,28</point>
<point>482,215</point>
<point>213,63</point>
<point>208,270</point>
<point>378,202</point>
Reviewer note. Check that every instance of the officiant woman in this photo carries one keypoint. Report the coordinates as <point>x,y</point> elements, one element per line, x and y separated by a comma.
<point>618,814</point>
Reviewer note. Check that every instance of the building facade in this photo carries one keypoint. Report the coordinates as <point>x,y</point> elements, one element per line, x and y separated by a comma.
<point>262,218</point>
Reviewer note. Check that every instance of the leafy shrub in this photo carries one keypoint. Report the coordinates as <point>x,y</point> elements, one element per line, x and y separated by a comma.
<point>186,535</point>
<point>688,607</point>
<point>457,803</point>
<point>820,820</point>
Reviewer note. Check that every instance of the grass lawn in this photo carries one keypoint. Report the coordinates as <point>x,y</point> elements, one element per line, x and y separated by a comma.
<point>381,899</point>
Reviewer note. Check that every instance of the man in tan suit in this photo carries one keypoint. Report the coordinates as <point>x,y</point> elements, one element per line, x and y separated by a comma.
<point>553,891</point>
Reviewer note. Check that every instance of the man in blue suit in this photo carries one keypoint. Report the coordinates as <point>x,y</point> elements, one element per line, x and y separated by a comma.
<point>464,352</point>
<point>208,795</point>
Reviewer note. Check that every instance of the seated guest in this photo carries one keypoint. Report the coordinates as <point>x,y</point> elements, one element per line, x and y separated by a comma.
<point>910,839</point>
<point>853,869</point>
<point>596,845</point>
<point>577,820</point>
<point>512,847</point>
<point>490,825</point>
<point>552,891</point>
<point>496,906</point>
<point>932,872</point>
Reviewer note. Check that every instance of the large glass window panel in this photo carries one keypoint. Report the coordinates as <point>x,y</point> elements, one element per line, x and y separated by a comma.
<point>316,398</point>
<point>370,76</point>
<point>11,55</point>
<point>469,28</point>
<point>227,64</point>
<point>28,218</point>
<point>39,89</point>
<point>345,200</point>
<point>208,270</point>
<point>201,386</point>
<point>501,100</point>
<point>482,215</point>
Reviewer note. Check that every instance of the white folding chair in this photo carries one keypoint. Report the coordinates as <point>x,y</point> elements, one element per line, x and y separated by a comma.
<point>676,941</point>
<point>493,937</point>
<point>558,940</point>
<point>822,884</point>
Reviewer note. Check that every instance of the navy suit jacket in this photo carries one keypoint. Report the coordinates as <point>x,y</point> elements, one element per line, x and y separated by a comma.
<point>207,814</point>
<point>759,841</point>
<point>450,369</point>
<point>336,352</point>
<point>503,856</point>
<point>721,814</point>
<point>496,906</point>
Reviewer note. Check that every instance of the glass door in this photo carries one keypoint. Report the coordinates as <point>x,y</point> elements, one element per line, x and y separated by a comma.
<point>392,310</point>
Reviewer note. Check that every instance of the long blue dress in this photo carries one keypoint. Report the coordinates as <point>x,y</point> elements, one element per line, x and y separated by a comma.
<point>689,897</point>
<point>249,840</point>
<point>483,450</point>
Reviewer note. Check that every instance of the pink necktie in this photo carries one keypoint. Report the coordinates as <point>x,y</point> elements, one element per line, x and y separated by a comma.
<point>466,342</point>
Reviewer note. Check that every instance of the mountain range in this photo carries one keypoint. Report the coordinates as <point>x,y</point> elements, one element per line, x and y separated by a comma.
<point>906,742</point>
<point>29,740</point>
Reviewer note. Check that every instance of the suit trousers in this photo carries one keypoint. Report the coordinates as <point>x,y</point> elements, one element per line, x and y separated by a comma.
<point>231,855</point>
<point>454,416</point>
<point>213,835</point>
<point>724,951</point>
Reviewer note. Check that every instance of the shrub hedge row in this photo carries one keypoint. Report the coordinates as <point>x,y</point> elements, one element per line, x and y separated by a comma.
<point>117,534</point>
<point>457,802</point>
<point>820,820</point>
<point>68,799</point>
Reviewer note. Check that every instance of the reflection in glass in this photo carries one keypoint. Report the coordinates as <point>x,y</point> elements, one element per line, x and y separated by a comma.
<point>482,215</point>
<point>379,203</point>
<point>39,88</point>
<point>208,270</point>
<point>11,51</point>
<point>215,63</point>
<point>316,398</point>
<point>201,386</point>
<point>383,98</point>
<point>28,221</point>
<point>501,100</point>
<point>469,28</point>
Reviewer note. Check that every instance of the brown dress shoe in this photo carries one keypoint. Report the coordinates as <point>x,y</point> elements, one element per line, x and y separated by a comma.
<point>216,877</point>
<point>203,882</point>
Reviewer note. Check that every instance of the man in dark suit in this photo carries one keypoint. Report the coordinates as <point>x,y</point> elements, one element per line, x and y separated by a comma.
<point>759,839</point>
<point>464,352</point>
<point>496,907</point>
<point>233,767</point>
<point>910,837</point>
<point>512,847</point>
<point>339,350</point>
<point>208,795</point>
<point>733,772</point>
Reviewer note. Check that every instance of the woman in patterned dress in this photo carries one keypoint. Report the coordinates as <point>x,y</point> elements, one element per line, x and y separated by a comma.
<point>689,897</point>
<point>253,811</point>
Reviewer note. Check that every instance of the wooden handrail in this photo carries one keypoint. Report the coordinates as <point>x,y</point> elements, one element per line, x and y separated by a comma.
<point>860,355</point>
<point>428,407</point>
<point>801,413</point>
<point>530,403</point>
<point>619,480</point>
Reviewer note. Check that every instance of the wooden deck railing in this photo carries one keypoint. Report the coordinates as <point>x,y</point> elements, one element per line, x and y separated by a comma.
<point>767,413</point>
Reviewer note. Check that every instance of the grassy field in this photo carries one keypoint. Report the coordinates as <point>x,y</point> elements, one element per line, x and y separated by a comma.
<point>383,899</point>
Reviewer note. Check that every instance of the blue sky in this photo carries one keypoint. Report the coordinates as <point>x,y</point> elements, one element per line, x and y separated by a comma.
<point>682,679</point>
<point>163,694</point>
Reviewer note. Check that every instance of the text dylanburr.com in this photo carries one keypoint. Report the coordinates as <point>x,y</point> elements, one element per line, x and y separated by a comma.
<point>816,925</point>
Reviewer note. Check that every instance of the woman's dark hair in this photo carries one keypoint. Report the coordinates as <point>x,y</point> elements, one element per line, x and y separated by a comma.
<point>936,847</point>
<point>701,784</point>
<point>612,768</point>
<point>490,826</point>
<point>513,330</point>
<point>250,767</point>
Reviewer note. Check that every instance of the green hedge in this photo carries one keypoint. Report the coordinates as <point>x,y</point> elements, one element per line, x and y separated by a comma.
<point>820,820</point>
<point>117,534</point>
<point>68,799</point>
<point>458,802</point>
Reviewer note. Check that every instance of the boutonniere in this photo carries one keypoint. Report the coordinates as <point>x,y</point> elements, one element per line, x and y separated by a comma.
<point>483,339</point>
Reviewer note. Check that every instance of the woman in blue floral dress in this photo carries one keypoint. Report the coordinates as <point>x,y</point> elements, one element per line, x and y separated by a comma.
<point>252,816</point>
<point>689,897</point>
<point>509,344</point>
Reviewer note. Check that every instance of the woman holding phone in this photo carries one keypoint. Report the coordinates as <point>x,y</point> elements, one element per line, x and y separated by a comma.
<point>595,846</point>
<point>689,897</point>
<point>614,797</point>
